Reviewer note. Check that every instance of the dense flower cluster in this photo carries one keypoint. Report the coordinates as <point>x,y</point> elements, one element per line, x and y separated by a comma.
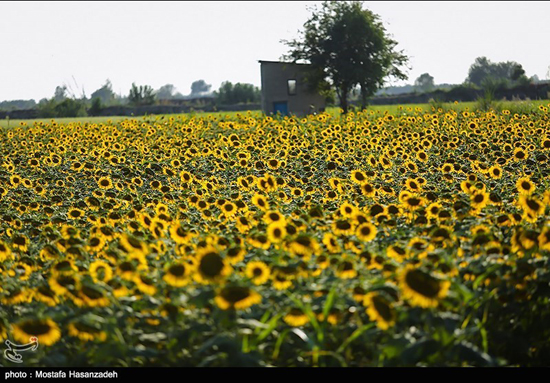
<point>361,239</point>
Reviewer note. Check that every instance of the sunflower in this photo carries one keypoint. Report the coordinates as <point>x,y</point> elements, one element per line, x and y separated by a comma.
<point>145,284</point>
<point>260,241</point>
<point>479,199</point>
<point>134,247</point>
<point>21,270</point>
<point>20,242</point>
<point>281,281</point>
<point>331,243</point>
<point>544,239</point>
<point>413,185</point>
<point>229,209</point>
<point>296,317</point>
<point>211,267</point>
<point>433,209</point>
<point>524,240</point>
<point>525,186</point>
<point>276,232</point>
<point>244,224</point>
<point>86,332</point>
<point>127,269</point>
<point>235,254</point>
<point>334,316</point>
<point>347,210</point>
<point>519,154</point>
<point>260,202</point>
<point>46,295</point>
<point>236,298</point>
<point>379,310</point>
<point>359,177</point>
<point>421,288</point>
<point>495,172</point>
<point>342,227</point>
<point>532,207</point>
<point>101,271</point>
<point>258,272</point>
<point>366,232</point>
<point>368,190</point>
<point>63,267</point>
<point>105,183</point>
<point>5,252</point>
<point>75,213</point>
<point>46,330</point>
<point>304,247</point>
<point>273,216</point>
<point>16,296</point>
<point>3,332</point>
<point>413,202</point>
<point>346,269</point>
<point>91,296</point>
<point>15,180</point>
<point>95,244</point>
<point>118,289</point>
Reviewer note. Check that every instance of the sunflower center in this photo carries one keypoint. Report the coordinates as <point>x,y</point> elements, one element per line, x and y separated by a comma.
<point>211,265</point>
<point>235,294</point>
<point>423,283</point>
<point>36,328</point>
<point>382,308</point>
<point>177,270</point>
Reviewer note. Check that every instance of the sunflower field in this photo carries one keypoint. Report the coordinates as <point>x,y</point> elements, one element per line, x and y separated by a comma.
<point>365,239</point>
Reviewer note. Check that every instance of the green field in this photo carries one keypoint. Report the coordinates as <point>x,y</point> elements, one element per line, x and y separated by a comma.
<point>513,106</point>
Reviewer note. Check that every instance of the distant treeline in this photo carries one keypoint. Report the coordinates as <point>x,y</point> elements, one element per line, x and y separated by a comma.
<point>141,100</point>
<point>127,110</point>
<point>465,93</point>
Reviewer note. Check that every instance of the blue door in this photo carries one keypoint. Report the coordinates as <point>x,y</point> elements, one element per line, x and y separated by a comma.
<point>280,107</point>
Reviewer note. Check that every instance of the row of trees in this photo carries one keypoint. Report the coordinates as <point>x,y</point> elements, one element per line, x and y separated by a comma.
<point>65,103</point>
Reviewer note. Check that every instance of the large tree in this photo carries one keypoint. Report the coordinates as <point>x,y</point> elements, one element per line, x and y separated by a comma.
<point>424,82</point>
<point>166,92</point>
<point>105,93</point>
<point>347,46</point>
<point>200,87</point>
<point>483,71</point>
<point>141,95</point>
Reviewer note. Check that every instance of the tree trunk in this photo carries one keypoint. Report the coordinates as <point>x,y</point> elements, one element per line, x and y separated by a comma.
<point>344,98</point>
<point>364,98</point>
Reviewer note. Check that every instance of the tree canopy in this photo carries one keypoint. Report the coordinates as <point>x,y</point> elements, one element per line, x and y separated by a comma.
<point>484,71</point>
<point>141,95</point>
<point>238,93</point>
<point>424,82</point>
<point>105,93</point>
<point>347,46</point>
<point>200,87</point>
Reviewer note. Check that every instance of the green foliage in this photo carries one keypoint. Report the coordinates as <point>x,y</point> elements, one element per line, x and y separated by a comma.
<point>66,108</point>
<point>96,107</point>
<point>17,105</point>
<point>240,93</point>
<point>200,86</point>
<point>105,94</point>
<point>488,101</point>
<point>141,95</point>
<point>507,73</point>
<point>424,82</point>
<point>346,46</point>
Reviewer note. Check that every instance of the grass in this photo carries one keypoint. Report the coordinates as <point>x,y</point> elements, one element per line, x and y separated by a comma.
<point>513,106</point>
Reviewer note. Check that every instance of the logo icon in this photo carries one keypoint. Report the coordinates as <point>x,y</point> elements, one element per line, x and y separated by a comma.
<point>11,353</point>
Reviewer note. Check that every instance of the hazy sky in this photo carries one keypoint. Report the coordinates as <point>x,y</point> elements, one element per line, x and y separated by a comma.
<point>81,44</point>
